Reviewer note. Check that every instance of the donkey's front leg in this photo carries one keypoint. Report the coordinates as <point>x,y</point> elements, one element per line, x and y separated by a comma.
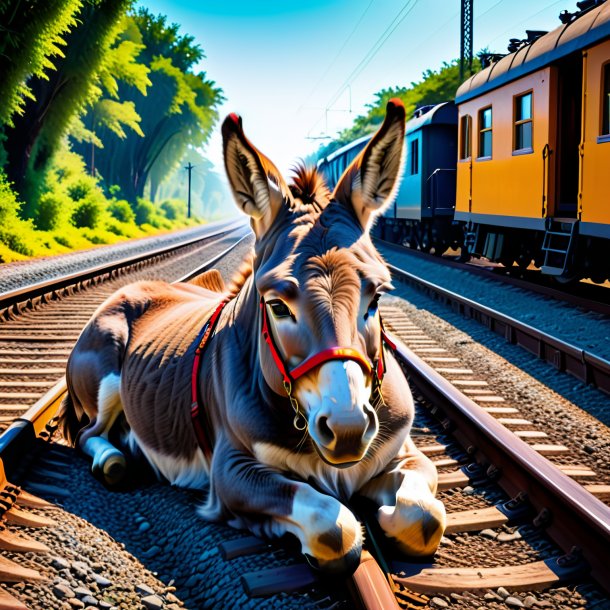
<point>408,511</point>
<point>330,535</point>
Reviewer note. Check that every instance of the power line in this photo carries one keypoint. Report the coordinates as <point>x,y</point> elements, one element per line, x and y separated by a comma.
<point>398,19</point>
<point>375,48</point>
<point>332,63</point>
<point>526,20</point>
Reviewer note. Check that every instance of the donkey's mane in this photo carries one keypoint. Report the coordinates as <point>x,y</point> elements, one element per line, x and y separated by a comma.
<point>241,275</point>
<point>309,187</point>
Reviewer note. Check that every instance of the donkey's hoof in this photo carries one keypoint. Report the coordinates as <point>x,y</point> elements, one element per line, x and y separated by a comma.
<point>114,468</point>
<point>342,565</point>
<point>416,525</point>
<point>110,464</point>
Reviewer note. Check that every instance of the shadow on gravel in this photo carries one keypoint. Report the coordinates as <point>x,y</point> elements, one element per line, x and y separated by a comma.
<point>158,524</point>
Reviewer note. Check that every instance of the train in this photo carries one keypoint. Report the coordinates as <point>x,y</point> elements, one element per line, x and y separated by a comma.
<point>515,169</point>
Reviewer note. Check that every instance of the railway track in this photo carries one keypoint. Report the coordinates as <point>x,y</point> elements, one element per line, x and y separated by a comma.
<point>586,366</point>
<point>513,514</point>
<point>43,321</point>
<point>592,297</point>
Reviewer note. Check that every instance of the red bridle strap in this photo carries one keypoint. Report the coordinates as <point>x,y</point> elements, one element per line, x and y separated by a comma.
<point>201,423</point>
<point>332,353</point>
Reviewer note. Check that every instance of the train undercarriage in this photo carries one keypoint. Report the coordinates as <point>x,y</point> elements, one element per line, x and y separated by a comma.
<point>570,257</point>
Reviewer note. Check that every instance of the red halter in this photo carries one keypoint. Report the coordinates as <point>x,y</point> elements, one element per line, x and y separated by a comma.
<point>201,423</point>
<point>376,369</point>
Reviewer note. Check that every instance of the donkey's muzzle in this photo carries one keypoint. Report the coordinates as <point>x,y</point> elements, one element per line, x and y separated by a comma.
<point>344,437</point>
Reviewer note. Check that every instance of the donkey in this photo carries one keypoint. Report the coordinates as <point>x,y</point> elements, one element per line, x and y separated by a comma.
<point>303,402</point>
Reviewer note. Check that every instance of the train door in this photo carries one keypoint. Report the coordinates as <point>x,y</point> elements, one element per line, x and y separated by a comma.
<point>569,115</point>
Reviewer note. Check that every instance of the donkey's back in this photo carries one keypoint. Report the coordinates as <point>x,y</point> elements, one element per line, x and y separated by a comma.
<point>130,361</point>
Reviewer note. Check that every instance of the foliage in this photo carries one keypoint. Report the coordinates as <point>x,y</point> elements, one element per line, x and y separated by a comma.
<point>59,95</point>
<point>14,232</point>
<point>32,37</point>
<point>122,88</point>
<point>434,88</point>
<point>88,212</point>
<point>121,211</point>
<point>174,208</point>
<point>52,212</point>
<point>177,110</point>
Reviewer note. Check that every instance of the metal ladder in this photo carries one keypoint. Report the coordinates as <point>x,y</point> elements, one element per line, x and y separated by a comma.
<point>558,245</point>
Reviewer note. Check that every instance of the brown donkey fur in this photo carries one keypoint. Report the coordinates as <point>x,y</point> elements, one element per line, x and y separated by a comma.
<point>317,277</point>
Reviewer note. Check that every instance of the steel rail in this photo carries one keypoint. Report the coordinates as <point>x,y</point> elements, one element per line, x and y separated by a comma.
<point>565,357</point>
<point>32,291</point>
<point>477,267</point>
<point>18,439</point>
<point>574,517</point>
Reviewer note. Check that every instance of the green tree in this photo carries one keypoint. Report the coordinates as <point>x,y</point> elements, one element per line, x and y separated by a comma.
<point>32,34</point>
<point>178,110</point>
<point>56,96</point>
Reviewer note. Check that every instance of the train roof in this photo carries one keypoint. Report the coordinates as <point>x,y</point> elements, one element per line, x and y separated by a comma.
<point>439,114</point>
<point>590,27</point>
<point>346,148</point>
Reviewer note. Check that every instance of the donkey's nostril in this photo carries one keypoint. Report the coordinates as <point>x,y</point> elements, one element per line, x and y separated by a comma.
<point>325,434</point>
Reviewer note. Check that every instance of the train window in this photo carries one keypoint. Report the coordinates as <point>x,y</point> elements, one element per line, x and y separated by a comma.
<point>414,157</point>
<point>606,101</point>
<point>523,122</point>
<point>485,132</point>
<point>466,135</point>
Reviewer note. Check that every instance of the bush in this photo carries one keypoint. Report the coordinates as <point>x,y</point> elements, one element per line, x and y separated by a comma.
<point>53,211</point>
<point>174,209</point>
<point>115,228</point>
<point>16,241</point>
<point>62,240</point>
<point>79,189</point>
<point>88,213</point>
<point>146,213</point>
<point>121,210</point>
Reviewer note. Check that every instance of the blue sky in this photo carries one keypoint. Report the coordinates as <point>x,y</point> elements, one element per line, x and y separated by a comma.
<point>294,70</point>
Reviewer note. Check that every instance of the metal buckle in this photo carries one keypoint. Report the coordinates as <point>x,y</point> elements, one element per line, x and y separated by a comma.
<point>295,405</point>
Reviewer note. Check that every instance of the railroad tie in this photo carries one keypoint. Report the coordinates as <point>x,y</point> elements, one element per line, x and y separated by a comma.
<point>528,577</point>
<point>8,602</point>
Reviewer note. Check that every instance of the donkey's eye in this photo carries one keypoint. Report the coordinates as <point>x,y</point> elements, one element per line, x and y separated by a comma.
<point>280,309</point>
<point>373,306</point>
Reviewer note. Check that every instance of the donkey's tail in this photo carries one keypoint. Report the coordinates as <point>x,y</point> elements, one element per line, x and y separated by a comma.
<point>70,420</point>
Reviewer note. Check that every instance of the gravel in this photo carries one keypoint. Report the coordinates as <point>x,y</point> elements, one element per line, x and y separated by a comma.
<point>570,413</point>
<point>584,329</point>
<point>506,545</point>
<point>97,550</point>
<point>23,273</point>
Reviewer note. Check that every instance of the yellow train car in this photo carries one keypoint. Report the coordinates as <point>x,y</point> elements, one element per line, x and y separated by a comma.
<point>534,151</point>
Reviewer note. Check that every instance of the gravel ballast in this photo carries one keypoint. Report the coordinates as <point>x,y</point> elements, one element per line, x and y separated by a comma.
<point>584,329</point>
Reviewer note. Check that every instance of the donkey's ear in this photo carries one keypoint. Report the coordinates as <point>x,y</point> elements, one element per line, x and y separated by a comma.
<point>257,185</point>
<point>370,183</point>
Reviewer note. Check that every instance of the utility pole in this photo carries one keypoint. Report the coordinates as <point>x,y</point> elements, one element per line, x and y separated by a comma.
<point>466,40</point>
<point>189,169</point>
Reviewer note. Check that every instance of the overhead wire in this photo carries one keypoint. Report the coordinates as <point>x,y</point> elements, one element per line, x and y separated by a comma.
<point>338,54</point>
<point>526,20</point>
<point>398,19</point>
<point>376,47</point>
